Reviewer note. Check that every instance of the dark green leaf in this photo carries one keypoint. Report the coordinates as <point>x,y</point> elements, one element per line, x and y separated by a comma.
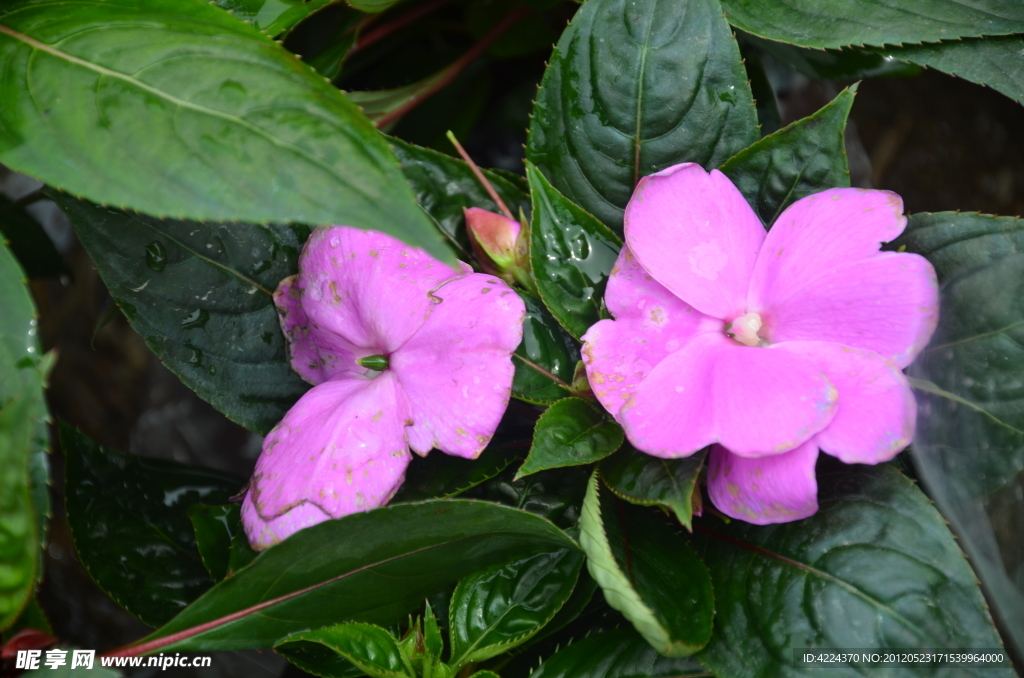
<point>369,567</point>
<point>372,6</point>
<point>273,17</point>
<point>875,568</point>
<point>622,653</point>
<point>370,648</point>
<point>805,157</point>
<point>995,62</point>
<point>220,538</point>
<point>546,359</point>
<point>633,88</point>
<point>444,185</point>
<point>433,643</point>
<point>572,432</point>
<point>650,481</point>
<point>440,475</point>
<point>838,23</point>
<point>555,494</point>
<point>29,243</point>
<point>178,109</point>
<point>200,294</point>
<point>581,597</point>
<point>32,617</point>
<point>129,521</point>
<point>647,572</point>
<point>850,63</point>
<point>497,609</point>
<point>22,409</point>
<point>768,116</point>
<point>318,660</point>
<point>571,254</point>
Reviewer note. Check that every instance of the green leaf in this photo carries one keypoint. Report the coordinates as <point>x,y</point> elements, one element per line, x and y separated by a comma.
<point>273,17</point>
<point>444,185</point>
<point>849,63</point>
<point>200,294</point>
<point>621,653</point>
<point>65,671</point>
<point>651,481</point>
<point>556,494</point>
<point>178,109</point>
<point>372,6</point>
<point>29,243</point>
<point>633,88</point>
<point>768,116</point>
<point>319,660</point>
<point>129,522</point>
<point>22,521</point>
<point>494,610</point>
<point>994,62</point>
<point>875,568</point>
<point>571,432</point>
<point>838,23</point>
<point>220,538</point>
<point>433,643</point>
<point>581,597</point>
<point>371,567</point>
<point>647,572</point>
<point>571,254</point>
<point>546,359</point>
<point>370,648</point>
<point>805,157</point>
<point>440,475</point>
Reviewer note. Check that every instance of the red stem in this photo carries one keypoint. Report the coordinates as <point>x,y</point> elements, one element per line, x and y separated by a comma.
<point>458,66</point>
<point>481,178</point>
<point>392,26</point>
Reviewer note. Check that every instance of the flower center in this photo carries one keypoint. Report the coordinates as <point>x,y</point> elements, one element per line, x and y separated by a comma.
<point>744,329</point>
<point>374,362</point>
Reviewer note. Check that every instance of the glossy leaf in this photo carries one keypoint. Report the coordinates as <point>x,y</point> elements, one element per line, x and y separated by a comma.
<point>220,538</point>
<point>876,568</point>
<point>181,110</point>
<point>546,359</point>
<point>996,62</point>
<point>273,17</point>
<point>571,254</point>
<point>849,63</point>
<point>372,6</point>
<point>29,243</point>
<point>200,294</point>
<point>497,609</point>
<point>440,475</point>
<point>571,432</point>
<point>621,653</point>
<point>969,448</point>
<point>433,643</point>
<point>371,567</point>
<point>444,185</point>
<point>21,408</point>
<point>647,572</point>
<point>580,599</point>
<point>805,157</point>
<point>129,522</point>
<point>369,648</point>
<point>633,88</point>
<point>651,481</point>
<point>838,23</point>
<point>556,494</point>
<point>318,660</point>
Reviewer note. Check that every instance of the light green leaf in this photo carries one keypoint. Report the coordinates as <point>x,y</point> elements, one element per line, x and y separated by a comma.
<point>178,109</point>
<point>369,648</point>
<point>572,432</point>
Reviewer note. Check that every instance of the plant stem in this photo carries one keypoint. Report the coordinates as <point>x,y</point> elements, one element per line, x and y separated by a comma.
<point>480,177</point>
<point>392,26</point>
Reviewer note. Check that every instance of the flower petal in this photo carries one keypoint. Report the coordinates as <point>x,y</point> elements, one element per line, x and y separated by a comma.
<point>696,235</point>
<point>877,412</point>
<point>456,370</point>
<point>776,489</point>
<point>755,401</point>
<point>888,303</point>
<point>366,287</point>
<point>650,323</point>
<point>341,449</point>
<point>820,232</point>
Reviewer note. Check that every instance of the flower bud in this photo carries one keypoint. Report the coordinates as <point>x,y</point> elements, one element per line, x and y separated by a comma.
<point>494,239</point>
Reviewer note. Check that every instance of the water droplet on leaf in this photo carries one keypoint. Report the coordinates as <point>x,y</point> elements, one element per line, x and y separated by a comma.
<point>156,255</point>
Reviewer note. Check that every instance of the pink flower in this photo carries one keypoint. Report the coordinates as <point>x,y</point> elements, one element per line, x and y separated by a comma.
<point>403,351</point>
<point>768,346</point>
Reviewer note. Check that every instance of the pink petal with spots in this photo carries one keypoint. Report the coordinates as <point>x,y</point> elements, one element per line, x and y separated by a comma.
<point>457,369</point>
<point>755,401</point>
<point>368,288</point>
<point>316,355</point>
<point>820,232</point>
<point>888,303</point>
<point>340,450</point>
<point>650,323</point>
<point>696,235</point>
<point>776,489</point>
<point>877,411</point>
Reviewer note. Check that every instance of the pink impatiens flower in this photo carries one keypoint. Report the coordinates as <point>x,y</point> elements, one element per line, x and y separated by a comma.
<point>403,352</point>
<point>767,346</point>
